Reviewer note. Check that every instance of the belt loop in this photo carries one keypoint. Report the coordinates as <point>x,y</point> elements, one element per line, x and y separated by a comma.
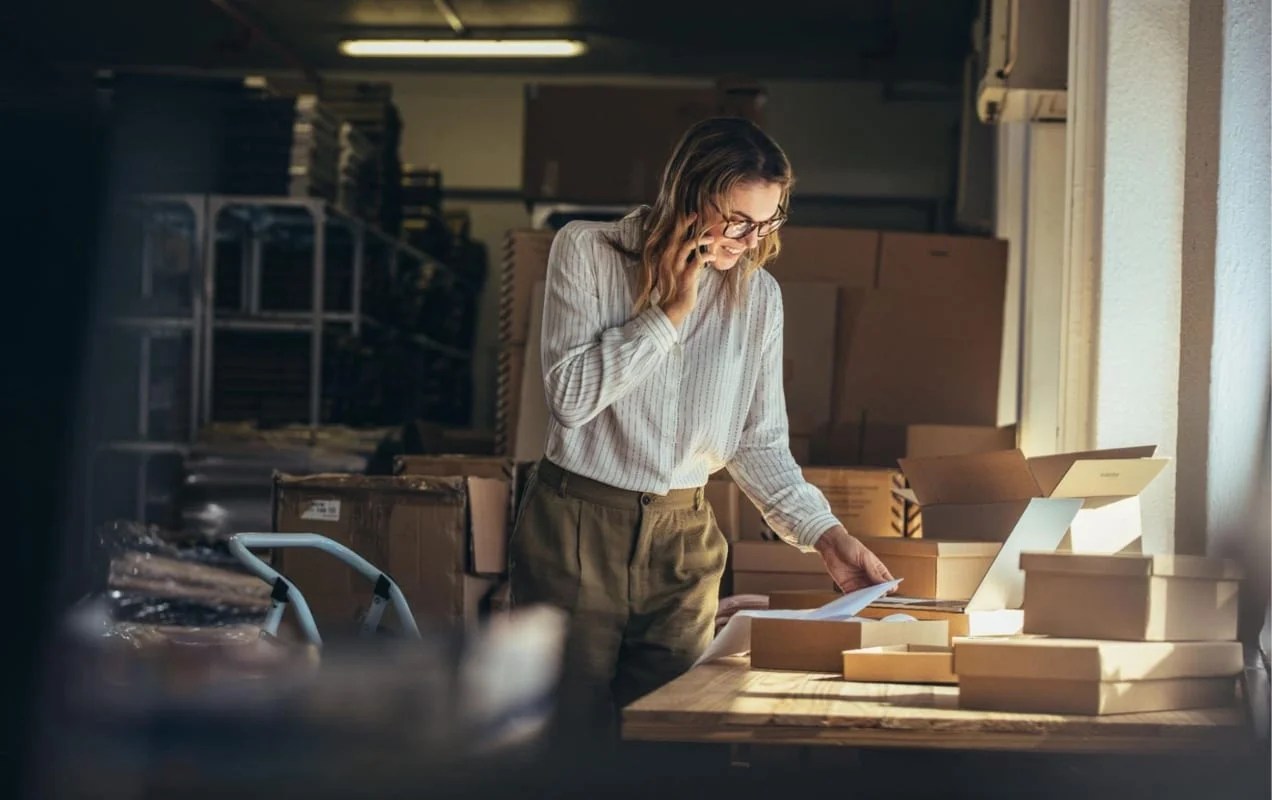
<point>564,483</point>
<point>698,496</point>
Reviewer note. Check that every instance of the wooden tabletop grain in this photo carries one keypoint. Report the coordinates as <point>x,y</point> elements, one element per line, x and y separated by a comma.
<point>727,702</point>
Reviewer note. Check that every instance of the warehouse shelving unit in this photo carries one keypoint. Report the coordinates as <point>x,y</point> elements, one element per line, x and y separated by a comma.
<point>190,249</point>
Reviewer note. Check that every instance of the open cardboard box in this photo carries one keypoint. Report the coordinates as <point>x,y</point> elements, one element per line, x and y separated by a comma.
<point>442,539</point>
<point>981,496</point>
<point>994,607</point>
<point>1079,676</point>
<point>902,663</point>
<point>1129,596</point>
<point>935,569</point>
<point>813,645</point>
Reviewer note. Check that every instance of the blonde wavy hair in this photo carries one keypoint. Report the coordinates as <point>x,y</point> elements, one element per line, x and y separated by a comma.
<point>710,160</point>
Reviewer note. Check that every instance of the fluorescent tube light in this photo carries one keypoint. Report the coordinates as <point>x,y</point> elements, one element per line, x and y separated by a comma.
<point>462,48</point>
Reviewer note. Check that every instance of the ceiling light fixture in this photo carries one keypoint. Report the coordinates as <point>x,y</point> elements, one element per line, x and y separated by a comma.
<point>462,48</point>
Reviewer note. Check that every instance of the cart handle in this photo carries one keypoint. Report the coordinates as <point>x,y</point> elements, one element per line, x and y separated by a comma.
<point>285,592</point>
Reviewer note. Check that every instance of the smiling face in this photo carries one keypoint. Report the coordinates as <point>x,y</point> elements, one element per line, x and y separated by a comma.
<point>748,202</point>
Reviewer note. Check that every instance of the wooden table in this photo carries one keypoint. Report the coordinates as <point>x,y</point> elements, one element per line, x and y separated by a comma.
<point>727,702</point>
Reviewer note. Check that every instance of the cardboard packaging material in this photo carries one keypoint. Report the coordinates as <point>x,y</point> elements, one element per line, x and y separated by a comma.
<point>525,263</point>
<point>980,496</point>
<point>775,557</point>
<point>430,534</point>
<point>609,144</point>
<point>993,609</point>
<point>818,645</point>
<point>862,499</point>
<point>838,256</point>
<point>495,468</point>
<point>724,497</point>
<point>768,582</point>
<point>532,412</point>
<point>902,663</point>
<point>1092,698</point>
<point>963,622</point>
<point>1131,597</point>
<point>862,442</point>
<point>1076,676</point>
<point>763,567</point>
<point>935,569</point>
<point>808,349</point>
<point>511,364</point>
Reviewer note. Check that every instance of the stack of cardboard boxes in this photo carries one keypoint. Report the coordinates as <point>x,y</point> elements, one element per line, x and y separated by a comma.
<point>1132,633</point>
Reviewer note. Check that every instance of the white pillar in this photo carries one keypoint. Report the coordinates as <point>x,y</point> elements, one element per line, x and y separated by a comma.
<point>1137,298</point>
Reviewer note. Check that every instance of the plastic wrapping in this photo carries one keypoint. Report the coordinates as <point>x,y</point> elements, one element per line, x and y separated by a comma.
<point>166,578</point>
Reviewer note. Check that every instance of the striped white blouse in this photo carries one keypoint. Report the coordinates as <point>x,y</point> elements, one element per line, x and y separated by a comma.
<point>637,404</point>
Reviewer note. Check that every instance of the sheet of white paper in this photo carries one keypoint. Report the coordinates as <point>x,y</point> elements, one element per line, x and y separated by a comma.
<point>735,637</point>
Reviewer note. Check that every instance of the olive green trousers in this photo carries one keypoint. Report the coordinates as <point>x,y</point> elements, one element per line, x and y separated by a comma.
<point>639,574</point>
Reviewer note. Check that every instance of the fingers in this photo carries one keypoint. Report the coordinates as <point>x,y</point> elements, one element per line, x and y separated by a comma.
<point>690,256</point>
<point>877,571</point>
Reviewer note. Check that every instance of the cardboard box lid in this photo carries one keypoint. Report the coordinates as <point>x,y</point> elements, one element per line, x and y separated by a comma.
<point>1131,565</point>
<point>997,477</point>
<point>930,548</point>
<point>774,557</point>
<point>1094,660</point>
<point>1007,475</point>
<point>483,501</point>
<point>1121,472</point>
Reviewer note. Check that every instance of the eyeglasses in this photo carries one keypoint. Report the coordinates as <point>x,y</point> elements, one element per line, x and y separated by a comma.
<point>740,229</point>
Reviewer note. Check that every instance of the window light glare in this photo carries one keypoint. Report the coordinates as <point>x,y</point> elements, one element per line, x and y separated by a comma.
<point>462,48</point>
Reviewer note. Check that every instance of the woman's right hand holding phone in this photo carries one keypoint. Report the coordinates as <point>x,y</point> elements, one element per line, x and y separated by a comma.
<point>683,264</point>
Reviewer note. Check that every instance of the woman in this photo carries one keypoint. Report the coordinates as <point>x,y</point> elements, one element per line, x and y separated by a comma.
<point>662,362</point>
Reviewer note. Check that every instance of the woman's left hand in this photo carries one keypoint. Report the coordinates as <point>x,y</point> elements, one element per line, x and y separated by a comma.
<point>849,562</point>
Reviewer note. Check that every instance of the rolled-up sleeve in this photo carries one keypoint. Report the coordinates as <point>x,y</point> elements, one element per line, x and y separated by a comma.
<point>763,466</point>
<point>587,367</point>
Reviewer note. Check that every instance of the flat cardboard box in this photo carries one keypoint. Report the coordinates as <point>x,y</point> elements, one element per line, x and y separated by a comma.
<point>962,622</point>
<point>1045,658</point>
<point>939,570</point>
<point>724,498</point>
<point>906,358</point>
<point>768,582</point>
<point>532,412</point>
<point>1130,597</point>
<point>808,352</point>
<point>1092,698</point>
<point>511,365</point>
<point>817,645</point>
<point>525,263</point>
<point>980,496</point>
<point>839,256</point>
<point>429,534</point>
<point>775,557</point>
<point>609,144</point>
<point>902,663</point>
<point>863,442</point>
<point>862,498</point>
